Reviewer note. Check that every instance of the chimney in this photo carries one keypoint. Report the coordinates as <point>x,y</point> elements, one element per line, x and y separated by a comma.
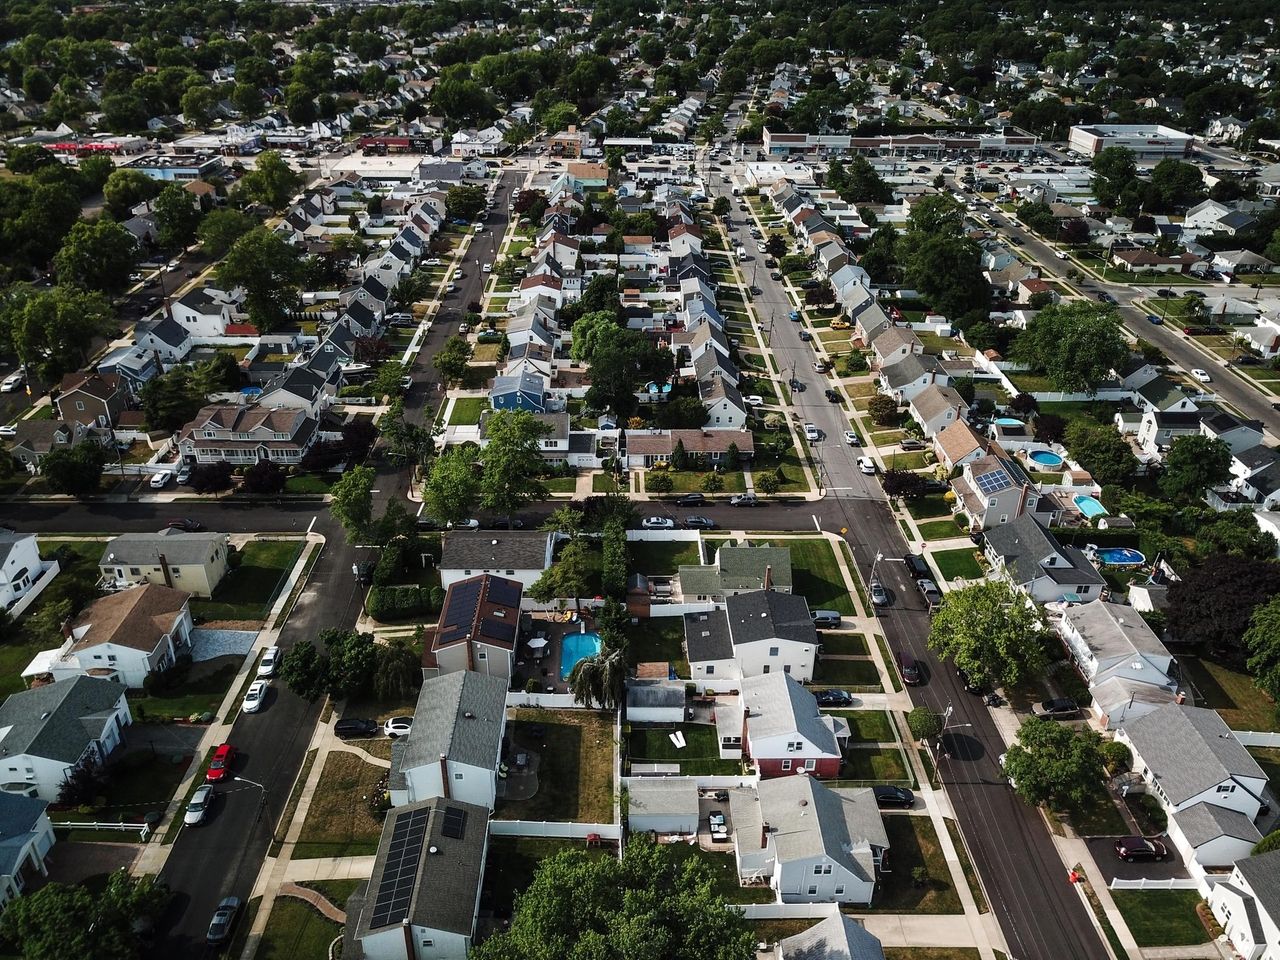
<point>444,776</point>
<point>407,927</point>
<point>768,577</point>
<point>764,835</point>
<point>164,568</point>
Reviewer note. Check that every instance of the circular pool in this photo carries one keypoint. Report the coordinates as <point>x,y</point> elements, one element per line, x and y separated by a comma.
<point>1008,422</point>
<point>1045,458</point>
<point>1121,556</point>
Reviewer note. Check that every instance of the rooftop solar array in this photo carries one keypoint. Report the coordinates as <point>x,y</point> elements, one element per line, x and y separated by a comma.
<point>400,871</point>
<point>455,823</point>
<point>503,591</point>
<point>993,482</point>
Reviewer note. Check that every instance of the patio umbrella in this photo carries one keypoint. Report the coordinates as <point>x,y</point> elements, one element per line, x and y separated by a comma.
<point>537,643</point>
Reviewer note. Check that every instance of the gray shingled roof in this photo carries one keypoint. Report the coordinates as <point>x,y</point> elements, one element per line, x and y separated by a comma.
<point>178,548</point>
<point>777,704</point>
<point>808,819</point>
<point>743,568</point>
<point>441,724</point>
<point>836,938</point>
<point>49,721</point>
<point>1023,544</point>
<point>766,615</point>
<point>494,549</point>
<point>18,818</point>
<point>651,694</point>
<point>706,636</point>
<point>1262,873</point>
<point>9,540</point>
<point>658,796</point>
<point>1189,750</point>
<point>1205,822</point>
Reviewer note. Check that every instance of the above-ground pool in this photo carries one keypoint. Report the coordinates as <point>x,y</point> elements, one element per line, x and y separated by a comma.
<point>575,647</point>
<point>1121,556</point>
<point>1045,458</point>
<point>1008,422</point>
<point>1090,507</point>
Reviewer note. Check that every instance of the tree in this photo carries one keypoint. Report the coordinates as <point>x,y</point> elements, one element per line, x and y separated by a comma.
<point>352,657</point>
<point>197,104</point>
<point>211,477</point>
<point>512,461</point>
<point>721,206</point>
<point>352,502</point>
<point>682,413</point>
<point>1193,464</point>
<point>613,563</point>
<point>398,671</point>
<point>559,116</point>
<point>453,485</point>
<point>50,330</point>
<point>264,477</point>
<point>177,215</point>
<point>271,182</point>
<point>1055,764</point>
<point>767,483</point>
<point>925,724</point>
<point>1024,405</point>
<point>464,203</point>
<point>1049,427</point>
<point>882,409</point>
<point>127,188</point>
<point>1101,450</point>
<point>712,482</point>
<point>988,632</point>
<point>1262,643</point>
<point>306,671</point>
<point>903,483</point>
<point>591,331</point>
<point>1212,605</point>
<point>1174,184</point>
<point>1114,168</point>
<point>566,577</point>
<point>650,903</point>
<point>406,443</point>
<point>451,359</point>
<point>1078,345</point>
<point>97,255</point>
<point>76,471</point>
<point>660,482</point>
<point>221,228</point>
<point>172,399</point>
<point>776,245</point>
<point>269,270</point>
<point>36,84</point>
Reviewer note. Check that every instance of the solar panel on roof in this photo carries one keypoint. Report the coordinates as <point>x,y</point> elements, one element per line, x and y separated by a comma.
<point>993,482</point>
<point>505,592</point>
<point>400,871</point>
<point>455,823</point>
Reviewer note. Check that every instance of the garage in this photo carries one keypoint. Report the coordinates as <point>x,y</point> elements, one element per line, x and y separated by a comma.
<point>655,702</point>
<point>666,805</point>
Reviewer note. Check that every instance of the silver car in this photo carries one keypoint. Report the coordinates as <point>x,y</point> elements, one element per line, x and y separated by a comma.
<point>198,806</point>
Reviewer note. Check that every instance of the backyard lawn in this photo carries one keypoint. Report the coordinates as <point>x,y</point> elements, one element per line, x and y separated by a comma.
<point>846,673</point>
<point>466,410</point>
<point>296,929</point>
<point>246,592</point>
<point>575,779</point>
<point>339,823</point>
<point>957,563</point>
<point>700,756</point>
<point>512,862</point>
<point>816,576</point>
<point>724,871</point>
<point>1232,693</point>
<point>914,843</point>
<point>662,558</point>
<point>870,726</point>
<point>660,640</point>
<point>1161,918</point>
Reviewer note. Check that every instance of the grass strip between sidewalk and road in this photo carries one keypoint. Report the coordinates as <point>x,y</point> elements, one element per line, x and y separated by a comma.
<point>290,808</point>
<point>966,865</point>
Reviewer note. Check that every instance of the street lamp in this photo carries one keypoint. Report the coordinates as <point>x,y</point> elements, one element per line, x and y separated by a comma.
<point>262,802</point>
<point>948,725</point>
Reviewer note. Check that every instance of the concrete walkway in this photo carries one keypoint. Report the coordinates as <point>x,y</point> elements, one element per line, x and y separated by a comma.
<point>329,868</point>
<point>317,900</point>
<point>924,930</point>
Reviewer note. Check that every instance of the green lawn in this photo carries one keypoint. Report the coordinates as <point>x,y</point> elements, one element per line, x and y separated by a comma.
<point>296,929</point>
<point>662,557</point>
<point>845,644</point>
<point>940,529</point>
<point>1231,693</point>
<point>816,576</point>
<point>339,823</point>
<point>700,757</point>
<point>246,592</point>
<point>560,484</point>
<point>575,779</point>
<point>467,410</point>
<point>910,460</point>
<point>335,891</point>
<point>878,764</point>
<point>604,483</point>
<point>957,563</point>
<point>868,726</point>
<point>922,508</point>
<point>914,843</point>
<point>1161,918</point>
<point>840,673</point>
<point>724,872</point>
<point>660,640</point>
<point>690,481</point>
<point>511,863</point>
<point>1099,818</point>
<point>309,483</point>
<point>201,692</point>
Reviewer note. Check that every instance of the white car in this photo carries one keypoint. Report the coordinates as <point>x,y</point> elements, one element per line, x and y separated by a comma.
<point>755,400</point>
<point>851,438</point>
<point>198,806</point>
<point>398,727</point>
<point>867,466</point>
<point>255,697</point>
<point>159,481</point>
<point>433,262</point>
<point>450,287</point>
<point>9,431</point>
<point>658,523</point>
<point>487,268</point>
<point>811,432</point>
<point>1201,375</point>
<point>464,328</point>
<point>171,266</point>
<point>12,382</point>
<point>267,665</point>
<point>465,525</point>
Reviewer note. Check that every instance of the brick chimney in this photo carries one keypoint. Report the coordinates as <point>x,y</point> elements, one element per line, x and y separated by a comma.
<point>444,776</point>
<point>768,577</point>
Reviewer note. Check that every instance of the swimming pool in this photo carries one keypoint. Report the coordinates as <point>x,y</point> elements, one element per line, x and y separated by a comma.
<point>1090,507</point>
<point>1121,556</point>
<point>1045,458</point>
<point>575,647</point>
<point>1008,421</point>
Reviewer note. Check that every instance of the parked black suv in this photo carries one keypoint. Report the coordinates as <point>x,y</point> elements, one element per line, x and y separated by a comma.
<point>353,729</point>
<point>887,796</point>
<point>916,565</point>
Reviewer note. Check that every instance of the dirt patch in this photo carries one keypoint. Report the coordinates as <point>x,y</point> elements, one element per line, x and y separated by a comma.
<point>248,625</point>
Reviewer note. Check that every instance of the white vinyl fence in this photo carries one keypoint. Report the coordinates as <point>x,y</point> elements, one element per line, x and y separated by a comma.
<point>548,701</point>
<point>787,911</point>
<point>1256,738</point>
<point>1171,883</point>
<point>548,828</point>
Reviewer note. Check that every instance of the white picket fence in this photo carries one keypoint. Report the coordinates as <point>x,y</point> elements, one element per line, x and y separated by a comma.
<point>1257,738</point>
<point>548,828</point>
<point>1171,883</point>
<point>788,911</point>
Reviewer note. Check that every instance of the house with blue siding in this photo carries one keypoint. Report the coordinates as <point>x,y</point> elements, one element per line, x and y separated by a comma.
<point>524,391</point>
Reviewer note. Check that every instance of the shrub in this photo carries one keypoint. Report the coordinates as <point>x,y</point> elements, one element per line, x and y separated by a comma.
<point>1116,757</point>
<point>882,409</point>
<point>658,483</point>
<point>401,603</point>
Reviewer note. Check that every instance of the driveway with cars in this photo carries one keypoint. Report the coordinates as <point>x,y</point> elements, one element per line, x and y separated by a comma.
<point>1113,868</point>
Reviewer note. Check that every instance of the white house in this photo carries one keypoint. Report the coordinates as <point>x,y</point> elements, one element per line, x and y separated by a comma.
<point>26,836</point>
<point>1030,558</point>
<point>839,937</point>
<point>520,555</point>
<point>45,732</point>
<point>205,312</point>
<point>477,628</point>
<point>1247,904</point>
<point>455,744</point>
<point>757,633</point>
<point>20,566</point>
<point>814,845</point>
<point>935,408</point>
<point>663,805</point>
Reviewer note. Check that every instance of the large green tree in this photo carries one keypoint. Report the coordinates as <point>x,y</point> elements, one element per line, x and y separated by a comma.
<point>1193,464</point>
<point>177,215</point>
<point>74,470</point>
<point>452,488</point>
<point>352,502</point>
<point>97,255</point>
<point>650,904</point>
<point>51,330</point>
<point>305,670</point>
<point>567,577</point>
<point>271,182</point>
<point>1211,605</point>
<point>1101,450</point>
<point>1076,344</point>
<point>464,203</point>
<point>126,188</point>
<point>1055,764</point>
<point>1262,642</point>
<point>512,461</point>
<point>221,228</point>
<point>451,359</point>
<point>988,632</point>
<point>269,270</point>
<point>1114,169</point>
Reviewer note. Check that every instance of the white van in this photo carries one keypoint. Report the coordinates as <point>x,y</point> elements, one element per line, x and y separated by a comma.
<point>742,254</point>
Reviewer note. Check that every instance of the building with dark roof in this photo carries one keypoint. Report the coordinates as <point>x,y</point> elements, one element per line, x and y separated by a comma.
<point>478,627</point>
<point>26,836</point>
<point>520,555</point>
<point>1247,904</point>
<point>1031,559</point>
<point>759,632</point>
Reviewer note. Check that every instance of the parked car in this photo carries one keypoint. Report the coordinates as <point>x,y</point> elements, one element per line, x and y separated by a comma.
<point>832,396</point>
<point>184,474</point>
<point>691,499</point>
<point>828,619</point>
<point>1201,375</point>
<point>834,698</point>
<point>12,382</point>
<point>970,686</point>
<point>851,439</point>
<point>753,400</point>
<point>867,466</point>
<point>1060,708</point>
<point>255,697</point>
<point>270,659</point>
<point>658,523</point>
<point>805,336</point>
<point>1140,848</point>
<point>353,728</point>
<point>699,523</point>
<point>472,524</point>
<point>224,918</point>
<point>930,590</point>
<point>160,480</point>
<point>398,727</point>
<point>811,432</point>
<point>1152,318</point>
<point>797,386</point>
<point>220,765</point>
<point>743,500</point>
<point>911,443</point>
<point>186,525</point>
<point>198,806</point>
<point>879,595</point>
<point>909,667</point>
<point>887,796</point>
<point>916,565</point>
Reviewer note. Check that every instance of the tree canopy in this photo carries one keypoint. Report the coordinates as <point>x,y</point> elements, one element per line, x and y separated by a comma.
<point>352,502</point>
<point>1212,604</point>
<point>97,255</point>
<point>269,270</point>
<point>1076,344</point>
<point>1101,450</point>
<point>988,632</point>
<point>1193,464</point>
<point>512,461</point>
<point>452,487</point>
<point>1055,764</point>
<point>271,182</point>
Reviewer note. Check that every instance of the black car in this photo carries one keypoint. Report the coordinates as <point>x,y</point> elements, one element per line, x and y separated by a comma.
<point>355,729</point>
<point>970,685</point>
<point>809,285</point>
<point>916,565</point>
<point>796,385</point>
<point>1060,708</point>
<point>699,523</point>
<point>1166,292</point>
<point>1140,848</point>
<point>887,796</point>
<point>832,396</point>
<point>691,499</point>
<point>515,523</point>
<point>833,698</point>
<point>186,525</point>
<point>805,336</point>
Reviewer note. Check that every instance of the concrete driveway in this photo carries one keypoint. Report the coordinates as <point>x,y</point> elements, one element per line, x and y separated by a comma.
<point>1113,868</point>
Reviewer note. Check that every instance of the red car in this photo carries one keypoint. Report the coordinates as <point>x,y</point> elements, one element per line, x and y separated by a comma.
<point>220,766</point>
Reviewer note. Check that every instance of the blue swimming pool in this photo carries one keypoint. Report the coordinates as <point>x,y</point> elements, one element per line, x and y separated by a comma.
<point>1121,556</point>
<point>1045,458</point>
<point>1008,421</point>
<point>575,647</point>
<point>1090,507</point>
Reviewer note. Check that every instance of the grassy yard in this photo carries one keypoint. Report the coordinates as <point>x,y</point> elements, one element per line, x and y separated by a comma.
<point>940,530</point>
<point>1161,918</point>
<point>724,872</point>
<point>1233,694</point>
<point>690,481</point>
<point>246,592</point>
<point>816,576</point>
<point>846,673</point>
<point>922,508</point>
<point>1269,760</point>
<point>335,891</point>
<point>575,780</point>
<point>771,931</point>
<point>869,726</point>
<point>314,483</point>
<point>201,692</point>
<point>914,843</point>
<point>657,641</point>
<point>296,929</point>
<point>604,483</point>
<point>1099,818</point>
<point>467,410</point>
<point>700,757</point>
<point>560,484</point>
<point>957,563</point>
<point>878,764</point>
<point>845,644</point>
<point>909,461</point>
<point>662,558</point>
<point>512,862</point>
<point>339,823</point>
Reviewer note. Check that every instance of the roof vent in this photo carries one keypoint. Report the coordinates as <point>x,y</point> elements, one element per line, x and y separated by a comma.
<point>493,543</point>
<point>433,850</point>
<point>469,715</point>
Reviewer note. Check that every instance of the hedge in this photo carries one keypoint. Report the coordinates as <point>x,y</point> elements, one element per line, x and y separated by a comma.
<point>402,603</point>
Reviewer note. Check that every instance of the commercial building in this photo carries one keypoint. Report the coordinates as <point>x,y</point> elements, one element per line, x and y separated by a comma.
<point>1144,139</point>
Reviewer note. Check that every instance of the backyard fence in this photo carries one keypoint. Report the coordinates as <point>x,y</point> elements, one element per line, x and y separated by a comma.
<point>708,782</point>
<point>547,828</point>
<point>46,577</point>
<point>1257,738</point>
<point>787,911</point>
<point>1171,883</point>
<point>547,701</point>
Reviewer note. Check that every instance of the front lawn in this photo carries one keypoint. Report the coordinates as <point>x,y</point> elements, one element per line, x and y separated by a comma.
<point>511,863</point>
<point>560,484</point>
<point>1099,818</point>
<point>660,640</point>
<point>201,691</point>
<point>690,481</point>
<point>957,563</point>
<point>1161,918</point>
<point>604,483</point>
<point>700,756</point>
<point>914,843</point>
<point>940,529</point>
<point>310,483</point>
<point>878,764</point>
<point>845,645</point>
<point>339,822</point>
<point>842,673</point>
<point>662,558</point>
<point>1232,693</point>
<point>247,591</point>
<point>933,505</point>
<point>575,775</point>
<point>816,576</point>
<point>296,929</point>
<point>466,411</point>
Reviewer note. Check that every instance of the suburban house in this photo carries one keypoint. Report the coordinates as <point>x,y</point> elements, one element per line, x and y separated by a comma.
<point>786,733</point>
<point>26,835</point>
<point>33,439</point>
<point>957,444</point>
<point>935,408</point>
<point>809,842</point>
<point>1129,671</point>
<point>47,731</point>
<point>20,566</point>
<point>664,805</point>
<point>246,434</point>
<point>194,562</point>
<point>1030,558</point>
<point>725,407</point>
<point>93,399</point>
<point>520,555</point>
<point>993,490</point>
<point>421,900</point>
<point>455,744</point>
<point>1237,433</point>
<point>477,628</point>
<point>1247,904</point>
<point>839,937</point>
<point>645,448</point>
<point>756,633</point>
<point>1189,759</point>
<point>523,391</point>
<point>737,569</point>
<point>125,636</point>
<point>1158,429</point>
<point>903,379</point>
